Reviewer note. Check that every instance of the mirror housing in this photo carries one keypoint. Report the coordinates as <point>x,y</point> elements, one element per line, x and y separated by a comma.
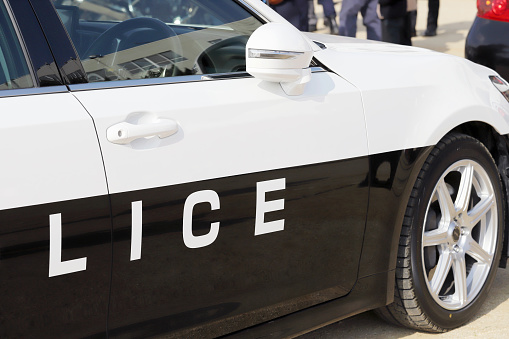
<point>278,52</point>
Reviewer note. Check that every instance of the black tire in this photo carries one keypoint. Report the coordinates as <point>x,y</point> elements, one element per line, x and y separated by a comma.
<point>441,245</point>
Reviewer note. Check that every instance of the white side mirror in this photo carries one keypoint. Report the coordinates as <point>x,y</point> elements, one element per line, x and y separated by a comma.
<point>278,52</point>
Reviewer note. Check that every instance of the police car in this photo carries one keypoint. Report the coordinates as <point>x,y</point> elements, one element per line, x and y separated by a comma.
<point>201,168</point>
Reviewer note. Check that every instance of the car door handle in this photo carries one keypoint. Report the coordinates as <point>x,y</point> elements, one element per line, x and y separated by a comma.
<point>125,132</point>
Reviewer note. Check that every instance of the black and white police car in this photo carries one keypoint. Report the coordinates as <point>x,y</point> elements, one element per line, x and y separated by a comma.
<point>200,168</point>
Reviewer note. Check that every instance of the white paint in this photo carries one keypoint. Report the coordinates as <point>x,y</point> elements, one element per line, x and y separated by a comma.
<point>56,265</point>
<point>136,229</point>
<point>190,240</point>
<point>49,151</point>
<point>412,96</point>
<point>227,128</point>
<point>263,206</point>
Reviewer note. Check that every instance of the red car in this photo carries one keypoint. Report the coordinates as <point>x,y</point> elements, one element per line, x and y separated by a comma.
<point>488,40</point>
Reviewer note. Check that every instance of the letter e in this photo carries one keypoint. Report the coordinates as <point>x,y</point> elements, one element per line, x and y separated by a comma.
<point>262,206</point>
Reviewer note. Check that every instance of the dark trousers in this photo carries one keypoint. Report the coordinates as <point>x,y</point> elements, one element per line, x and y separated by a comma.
<point>295,11</point>
<point>348,18</point>
<point>413,22</point>
<point>328,8</point>
<point>397,31</point>
<point>433,6</point>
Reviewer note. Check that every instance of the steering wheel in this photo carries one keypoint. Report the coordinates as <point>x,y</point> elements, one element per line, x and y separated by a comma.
<point>132,33</point>
<point>225,56</point>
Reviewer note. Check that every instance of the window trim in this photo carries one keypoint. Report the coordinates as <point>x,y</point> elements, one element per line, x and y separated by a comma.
<point>168,80</point>
<point>23,46</point>
<point>253,11</point>
<point>149,82</point>
<point>32,91</point>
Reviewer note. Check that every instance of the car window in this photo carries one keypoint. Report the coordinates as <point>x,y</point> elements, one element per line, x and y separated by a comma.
<point>129,39</point>
<point>14,71</point>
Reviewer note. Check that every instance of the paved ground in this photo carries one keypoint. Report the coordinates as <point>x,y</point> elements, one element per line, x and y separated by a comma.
<point>492,321</point>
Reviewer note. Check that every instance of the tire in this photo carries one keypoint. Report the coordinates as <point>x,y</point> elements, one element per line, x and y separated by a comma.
<point>451,239</point>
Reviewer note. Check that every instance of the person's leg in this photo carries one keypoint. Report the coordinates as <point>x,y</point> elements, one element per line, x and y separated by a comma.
<point>329,13</point>
<point>371,20</point>
<point>288,11</point>
<point>294,12</point>
<point>312,20</point>
<point>413,22</point>
<point>328,8</point>
<point>433,7</point>
<point>348,17</point>
<point>392,30</point>
<point>406,36</point>
<point>303,8</point>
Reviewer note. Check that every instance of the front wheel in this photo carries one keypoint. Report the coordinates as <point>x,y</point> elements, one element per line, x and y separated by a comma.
<point>451,239</point>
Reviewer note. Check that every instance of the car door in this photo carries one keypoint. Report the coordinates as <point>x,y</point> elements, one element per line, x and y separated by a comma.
<point>233,203</point>
<point>55,229</point>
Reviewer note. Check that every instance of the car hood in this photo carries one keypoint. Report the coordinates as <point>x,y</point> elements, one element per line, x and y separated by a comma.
<point>341,43</point>
<point>373,64</point>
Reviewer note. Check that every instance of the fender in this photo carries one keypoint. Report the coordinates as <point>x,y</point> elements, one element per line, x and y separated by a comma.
<point>392,177</point>
<point>426,95</point>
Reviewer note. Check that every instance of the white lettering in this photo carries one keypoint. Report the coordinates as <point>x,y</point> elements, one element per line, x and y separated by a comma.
<point>190,240</point>
<point>56,265</point>
<point>262,206</point>
<point>136,229</point>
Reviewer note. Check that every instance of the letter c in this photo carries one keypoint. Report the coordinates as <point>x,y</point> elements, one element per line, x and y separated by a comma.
<point>191,240</point>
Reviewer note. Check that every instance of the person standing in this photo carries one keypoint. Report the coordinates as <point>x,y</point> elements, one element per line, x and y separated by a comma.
<point>295,11</point>
<point>396,27</point>
<point>412,13</point>
<point>433,8</point>
<point>329,13</point>
<point>312,19</point>
<point>348,18</point>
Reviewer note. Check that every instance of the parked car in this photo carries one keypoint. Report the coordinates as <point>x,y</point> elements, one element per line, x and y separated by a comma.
<point>487,42</point>
<point>201,168</point>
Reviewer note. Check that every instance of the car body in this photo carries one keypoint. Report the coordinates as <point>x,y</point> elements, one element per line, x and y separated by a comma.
<point>486,42</point>
<point>204,169</point>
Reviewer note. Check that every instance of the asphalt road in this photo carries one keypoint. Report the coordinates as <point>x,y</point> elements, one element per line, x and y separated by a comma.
<point>455,19</point>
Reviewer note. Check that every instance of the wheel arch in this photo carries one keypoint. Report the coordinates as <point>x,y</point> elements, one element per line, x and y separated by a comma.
<point>409,164</point>
<point>414,305</point>
<point>498,146</point>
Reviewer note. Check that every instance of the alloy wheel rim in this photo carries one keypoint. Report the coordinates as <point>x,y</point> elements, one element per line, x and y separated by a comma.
<point>460,235</point>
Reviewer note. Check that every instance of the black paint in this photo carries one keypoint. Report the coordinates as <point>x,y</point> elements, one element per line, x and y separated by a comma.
<point>488,44</point>
<point>65,55</point>
<point>242,278</point>
<point>71,305</point>
<point>239,281</point>
<point>45,69</point>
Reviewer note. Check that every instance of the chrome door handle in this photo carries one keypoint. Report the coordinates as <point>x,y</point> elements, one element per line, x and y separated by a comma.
<point>125,132</point>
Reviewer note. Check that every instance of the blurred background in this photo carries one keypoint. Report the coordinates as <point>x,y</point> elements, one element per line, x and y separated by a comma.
<point>454,20</point>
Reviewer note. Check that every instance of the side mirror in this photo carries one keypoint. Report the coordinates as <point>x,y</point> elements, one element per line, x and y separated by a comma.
<point>278,52</point>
